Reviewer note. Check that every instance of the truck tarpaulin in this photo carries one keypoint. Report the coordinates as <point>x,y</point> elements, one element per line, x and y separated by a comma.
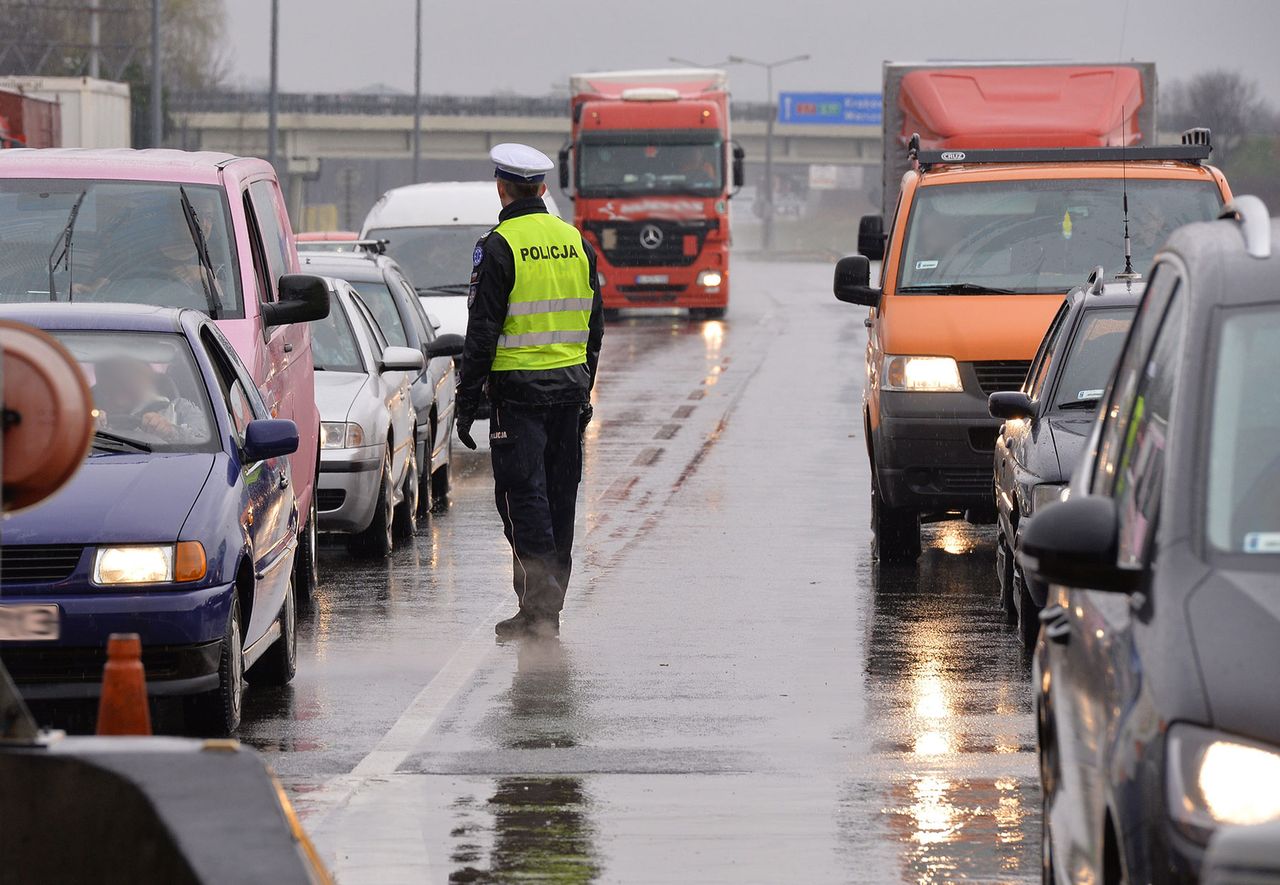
<point>26,121</point>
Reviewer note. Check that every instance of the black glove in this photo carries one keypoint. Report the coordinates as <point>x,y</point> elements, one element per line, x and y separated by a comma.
<point>585,418</point>
<point>466,417</point>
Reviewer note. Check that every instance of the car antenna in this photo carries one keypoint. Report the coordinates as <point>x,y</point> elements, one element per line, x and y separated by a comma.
<point>1128,273</point>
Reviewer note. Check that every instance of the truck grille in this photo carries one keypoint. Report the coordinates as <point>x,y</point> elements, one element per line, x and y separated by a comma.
<point>652,243</point>
<point>38,563</point>
<point>997,375</point>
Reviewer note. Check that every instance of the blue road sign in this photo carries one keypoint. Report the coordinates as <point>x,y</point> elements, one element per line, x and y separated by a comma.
<point>831,108</point>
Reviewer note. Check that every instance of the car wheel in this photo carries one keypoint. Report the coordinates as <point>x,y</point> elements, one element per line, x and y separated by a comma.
<point>1047,875</point>
<point>305,570</point>
<point>1028,614</point>
<point>217,713</point>
<point>895,530</point>
<point>278,664</point>
<point>1004,575</point>
<point>376,540</point>
<point>441,479</point>
<point>405,520</point>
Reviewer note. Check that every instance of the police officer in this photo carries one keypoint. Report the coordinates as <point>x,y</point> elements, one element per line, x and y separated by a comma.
<point>534,330</point>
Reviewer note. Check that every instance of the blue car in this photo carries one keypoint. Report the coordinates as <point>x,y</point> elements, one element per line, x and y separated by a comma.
<point>181,525</point>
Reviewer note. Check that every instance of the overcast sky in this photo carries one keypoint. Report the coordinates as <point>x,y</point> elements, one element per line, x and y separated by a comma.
<point>531,46</point>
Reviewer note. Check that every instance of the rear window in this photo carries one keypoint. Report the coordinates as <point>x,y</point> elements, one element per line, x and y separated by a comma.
<point>437,260</point>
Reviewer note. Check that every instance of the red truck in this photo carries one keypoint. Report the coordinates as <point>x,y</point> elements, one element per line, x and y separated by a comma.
<point>29,122</point>
<point>650,167</point>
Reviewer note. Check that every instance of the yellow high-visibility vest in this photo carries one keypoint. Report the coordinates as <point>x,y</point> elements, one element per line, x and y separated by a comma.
<point>549,309</point>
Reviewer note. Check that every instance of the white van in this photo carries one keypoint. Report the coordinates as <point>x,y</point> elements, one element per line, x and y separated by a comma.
<point>431,231</point>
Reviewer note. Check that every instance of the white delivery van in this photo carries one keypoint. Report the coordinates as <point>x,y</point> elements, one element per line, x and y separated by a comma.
<point>431,231</point>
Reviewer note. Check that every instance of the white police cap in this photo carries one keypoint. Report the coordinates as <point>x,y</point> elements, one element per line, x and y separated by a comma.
<point>519,162</point>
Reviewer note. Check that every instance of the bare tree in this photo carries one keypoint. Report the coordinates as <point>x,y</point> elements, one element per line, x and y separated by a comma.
<point>1223,100</point>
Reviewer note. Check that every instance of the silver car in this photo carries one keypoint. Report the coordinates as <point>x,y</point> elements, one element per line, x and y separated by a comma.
<point>368,470</point>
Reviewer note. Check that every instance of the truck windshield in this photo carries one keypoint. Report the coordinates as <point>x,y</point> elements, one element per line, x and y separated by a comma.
<point>649,162</point>
<point>1040,236</point>
<point>437,260</point>
<point>112,241</point>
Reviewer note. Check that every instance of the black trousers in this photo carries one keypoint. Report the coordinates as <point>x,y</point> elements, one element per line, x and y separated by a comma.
<point>537,464</point>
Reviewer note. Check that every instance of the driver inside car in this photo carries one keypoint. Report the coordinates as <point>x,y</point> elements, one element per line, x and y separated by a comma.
<point>128,398</point>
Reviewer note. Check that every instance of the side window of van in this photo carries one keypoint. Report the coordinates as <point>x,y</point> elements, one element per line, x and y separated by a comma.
<point>266,291</point>
<point>275,240</point>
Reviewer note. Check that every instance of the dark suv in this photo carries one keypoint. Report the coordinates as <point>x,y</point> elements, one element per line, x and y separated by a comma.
<point>1158,709</point>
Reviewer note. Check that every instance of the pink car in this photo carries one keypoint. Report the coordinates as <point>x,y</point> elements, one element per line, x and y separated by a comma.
<point>177,229</point>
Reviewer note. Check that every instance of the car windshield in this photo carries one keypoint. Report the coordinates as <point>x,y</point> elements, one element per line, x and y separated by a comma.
<point>1040,236</point>
<point>148,395</point>
<point>333,344</point>
<point>1094,351</point>
<point>1244,469</point>
<point>113,241</point>
<point>435,256</point>
<point>381,303</point>
<point>650,162</point>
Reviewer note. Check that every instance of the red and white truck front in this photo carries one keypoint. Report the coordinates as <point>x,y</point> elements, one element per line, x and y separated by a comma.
<point>650,168</point>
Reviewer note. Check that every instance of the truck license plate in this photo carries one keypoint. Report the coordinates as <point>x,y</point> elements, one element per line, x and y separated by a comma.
<point>28,622</point>
<point>652,279</point>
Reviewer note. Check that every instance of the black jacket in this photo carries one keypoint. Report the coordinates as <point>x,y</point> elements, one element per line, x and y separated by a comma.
<point>492,279</point>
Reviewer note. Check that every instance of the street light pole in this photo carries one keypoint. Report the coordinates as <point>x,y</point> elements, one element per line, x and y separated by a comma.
<point>273,94</point>
<point>417,92</point>
<point>157,112</point>
<point>767,232</point>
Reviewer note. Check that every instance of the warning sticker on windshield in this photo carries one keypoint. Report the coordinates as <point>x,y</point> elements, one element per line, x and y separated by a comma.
<point>926,265</point>
<point>1089,394</point>
<point>1262,542</point>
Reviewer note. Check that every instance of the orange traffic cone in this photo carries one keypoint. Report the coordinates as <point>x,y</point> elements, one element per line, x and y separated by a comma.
<point>123,706</point>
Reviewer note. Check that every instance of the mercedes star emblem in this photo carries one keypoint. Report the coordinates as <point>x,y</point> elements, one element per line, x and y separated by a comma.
<point>651,236</point>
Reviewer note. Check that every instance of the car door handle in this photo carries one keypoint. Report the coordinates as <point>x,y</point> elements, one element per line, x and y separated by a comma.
<point>284,480</point>
<point>868,323</point>
<point>1059,632</point>
<point>288,348</point>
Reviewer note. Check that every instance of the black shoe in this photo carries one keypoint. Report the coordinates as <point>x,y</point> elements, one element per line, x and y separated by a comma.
<point>517,625</point>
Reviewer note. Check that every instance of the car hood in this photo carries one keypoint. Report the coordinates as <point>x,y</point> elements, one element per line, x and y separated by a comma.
<point>967,327</point>
<point>1234,619</point>
<point>336,391</point>
<point>116,498</point>
<point>1070,433</point>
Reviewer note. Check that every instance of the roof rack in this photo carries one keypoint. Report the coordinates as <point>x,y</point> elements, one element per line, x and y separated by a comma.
<point>1195,148</point>
<point>341,247</point>
<point>1255,224</point>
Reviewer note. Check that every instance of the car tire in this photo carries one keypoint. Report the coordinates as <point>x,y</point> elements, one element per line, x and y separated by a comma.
<point>1047,874</point>
<point>1004,577</point>
<point>707,313</point>
<point>279,663</point>
<point>217,713</point>
<point>895,531</point>
<point>404,522</point>
<point>442,479</point>
<point>306,574</point>
<point>376,540</point>
<point>1028,615</point>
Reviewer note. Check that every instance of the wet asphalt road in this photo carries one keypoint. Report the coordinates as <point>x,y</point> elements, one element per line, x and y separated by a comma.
<point>739,693</point>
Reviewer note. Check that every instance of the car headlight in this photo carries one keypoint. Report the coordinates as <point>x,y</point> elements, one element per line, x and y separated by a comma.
<point>1044,494</point>
<point>340,435</point>
<point>150,563</point>
<point>710,279</point>
<point>1215,779</point>
<point>930,374</point>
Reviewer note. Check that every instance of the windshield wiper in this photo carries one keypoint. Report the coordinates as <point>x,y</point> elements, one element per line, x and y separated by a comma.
<point>959,289</point>
<point>1081,403</point>
<point>450,288</point>
<point>64,241</point>
<point>202,253</point>
<point>105,439</point>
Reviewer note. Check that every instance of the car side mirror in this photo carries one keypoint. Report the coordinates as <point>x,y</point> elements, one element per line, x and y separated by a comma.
<point>268,438</point>
<point>871,237</point>
<point>446,345</point>
<point>739,166</point>
<point>564,168</point>
<point>1075,543</point>
<point>853,282</point>
<point>1010,405</point>
<point>402,359</point>
<point>303,297</point>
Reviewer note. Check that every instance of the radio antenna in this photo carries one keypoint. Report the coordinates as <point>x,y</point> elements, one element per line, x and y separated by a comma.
<point>1128,272</point>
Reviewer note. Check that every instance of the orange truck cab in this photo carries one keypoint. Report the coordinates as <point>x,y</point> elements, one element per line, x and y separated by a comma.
<point>650,168</point>
<point>983,246</point>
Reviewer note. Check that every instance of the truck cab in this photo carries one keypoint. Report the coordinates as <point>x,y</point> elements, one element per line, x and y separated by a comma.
<point>650,167</point>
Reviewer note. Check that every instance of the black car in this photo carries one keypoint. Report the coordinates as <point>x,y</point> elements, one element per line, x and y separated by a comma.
<point>1155,673</point>
<point>391,299</point>
<point>1047,422</point>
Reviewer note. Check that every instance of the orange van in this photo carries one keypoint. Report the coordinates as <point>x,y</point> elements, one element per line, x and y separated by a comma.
<point>982,248</point>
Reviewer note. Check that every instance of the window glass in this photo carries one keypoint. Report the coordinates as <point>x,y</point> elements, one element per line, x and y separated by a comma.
<point>1039,236</point>
<point>275,240</point>
<point>116,241</point>
<point>417,314</point>
<point>436,259</point>
<point>1044,358</point>
<point>1141,468</point>
<point>365,320</point>
<point>1244,462</point>
<point>382,304</point>
<point>333,343</point>
<point>1086,368</point>
<point>266,291</point>
<point>649,161</point>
